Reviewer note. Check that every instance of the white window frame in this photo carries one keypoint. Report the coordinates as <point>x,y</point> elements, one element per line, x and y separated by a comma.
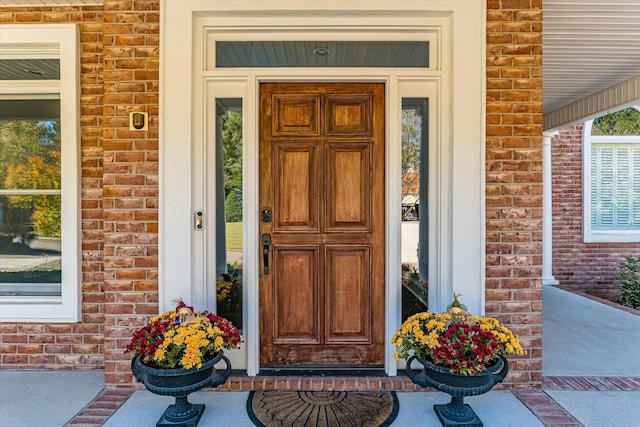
<point>600,236</point>
<point>52,41</point>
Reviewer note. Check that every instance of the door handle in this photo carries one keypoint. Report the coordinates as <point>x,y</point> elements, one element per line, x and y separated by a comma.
<point>266,242</point>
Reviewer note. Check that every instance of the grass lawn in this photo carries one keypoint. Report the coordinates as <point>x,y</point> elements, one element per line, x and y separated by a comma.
<point>234,235</point>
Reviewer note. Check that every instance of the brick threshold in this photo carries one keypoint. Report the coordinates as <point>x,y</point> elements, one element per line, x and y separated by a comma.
<point>547,410</point>
<point>319,383</point>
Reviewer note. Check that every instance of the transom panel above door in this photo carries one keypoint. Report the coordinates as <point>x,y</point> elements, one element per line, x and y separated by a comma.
<point>322,198</point>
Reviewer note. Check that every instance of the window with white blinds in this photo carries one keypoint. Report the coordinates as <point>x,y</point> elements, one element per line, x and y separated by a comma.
<point>611,188</point>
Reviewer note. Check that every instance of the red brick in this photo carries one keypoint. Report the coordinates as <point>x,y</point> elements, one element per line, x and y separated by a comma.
<point>14,339</point>
<point>14,359</point>
<point>30,349</point>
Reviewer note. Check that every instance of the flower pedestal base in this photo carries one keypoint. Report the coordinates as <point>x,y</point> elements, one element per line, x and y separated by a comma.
<point>457,413</point>
<point>179,383</point>
<point>181,414</point>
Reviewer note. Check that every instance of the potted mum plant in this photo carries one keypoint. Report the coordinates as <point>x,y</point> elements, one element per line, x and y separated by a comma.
<point>461,355</point>
<point>175,354</point>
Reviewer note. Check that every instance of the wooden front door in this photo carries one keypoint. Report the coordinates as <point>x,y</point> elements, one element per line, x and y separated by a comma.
<point>322,205</point>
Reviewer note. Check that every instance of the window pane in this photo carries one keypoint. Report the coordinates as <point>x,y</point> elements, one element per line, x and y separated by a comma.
<point>30,249</point>
<point>229,208</point>
<point>615,186</point>
<point>30,198</point>
<point>29,152</point>
<point>414,206</point>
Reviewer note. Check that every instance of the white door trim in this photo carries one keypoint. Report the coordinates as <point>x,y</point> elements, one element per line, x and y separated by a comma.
<point>460,76</point>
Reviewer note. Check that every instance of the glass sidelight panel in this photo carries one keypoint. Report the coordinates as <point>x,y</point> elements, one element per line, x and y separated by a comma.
<point>229,209</point>
<point>414,206</point>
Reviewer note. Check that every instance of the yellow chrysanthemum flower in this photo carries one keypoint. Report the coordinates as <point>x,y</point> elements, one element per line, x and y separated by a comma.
<point>422,335</point>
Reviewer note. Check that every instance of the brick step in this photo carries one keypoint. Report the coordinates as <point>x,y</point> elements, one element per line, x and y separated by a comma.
<point>319,383</point>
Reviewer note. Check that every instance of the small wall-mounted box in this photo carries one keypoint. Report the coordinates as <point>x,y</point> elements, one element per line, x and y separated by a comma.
<point>138,120</point>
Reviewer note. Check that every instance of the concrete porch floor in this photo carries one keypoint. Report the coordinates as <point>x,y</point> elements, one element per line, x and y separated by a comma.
<point>591,374</point>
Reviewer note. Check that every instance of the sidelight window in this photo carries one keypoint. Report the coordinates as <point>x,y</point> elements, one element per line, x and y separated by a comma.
<point>414,206</point>
<point>229,218</point>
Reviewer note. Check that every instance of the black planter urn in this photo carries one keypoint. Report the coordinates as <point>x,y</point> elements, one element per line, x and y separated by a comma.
<point>179,383</point>
<point>458,386</point>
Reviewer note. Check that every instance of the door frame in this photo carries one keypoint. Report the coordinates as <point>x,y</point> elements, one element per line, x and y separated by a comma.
<point>458,222</point>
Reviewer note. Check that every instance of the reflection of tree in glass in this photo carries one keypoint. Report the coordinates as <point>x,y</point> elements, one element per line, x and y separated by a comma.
<point>30,160</point>
<point>232,149</point>
<point>411,145</point>
<point>411,141</point>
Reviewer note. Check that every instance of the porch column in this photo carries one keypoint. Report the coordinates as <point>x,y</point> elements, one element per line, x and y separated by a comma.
<point>547,212</point>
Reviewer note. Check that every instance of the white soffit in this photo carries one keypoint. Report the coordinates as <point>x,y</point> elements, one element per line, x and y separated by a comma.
<point>591,58</point>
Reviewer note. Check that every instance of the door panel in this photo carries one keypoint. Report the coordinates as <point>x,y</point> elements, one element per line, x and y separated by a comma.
<point>349,115</point>
<point>348,287</point>
<point>348,178</point>
<point>296,183</point>
<point>297,309</point>
<point>296,115</point>
<point>322,175</point>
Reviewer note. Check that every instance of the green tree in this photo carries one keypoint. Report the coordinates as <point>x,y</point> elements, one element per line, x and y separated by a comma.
<point>232,150</point>
<point>233,207</point>
<point>624,122</point>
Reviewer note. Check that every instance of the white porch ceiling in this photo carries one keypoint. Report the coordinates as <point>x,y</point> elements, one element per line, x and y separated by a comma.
<point>591,56</point>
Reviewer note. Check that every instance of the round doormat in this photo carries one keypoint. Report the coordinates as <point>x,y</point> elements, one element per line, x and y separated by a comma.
<point>322,408</point>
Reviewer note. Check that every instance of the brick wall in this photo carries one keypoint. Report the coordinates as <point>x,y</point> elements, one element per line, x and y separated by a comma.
<point>120,45</point>
<point>514,177</point>
<point>72,346</point>
<point>131,58</point>
<point>590,267</point>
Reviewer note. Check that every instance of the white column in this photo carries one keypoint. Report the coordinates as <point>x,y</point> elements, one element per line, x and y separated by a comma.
<point>547,225</point>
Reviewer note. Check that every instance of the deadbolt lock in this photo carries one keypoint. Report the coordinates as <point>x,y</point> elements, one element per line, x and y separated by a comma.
<point>266,215</point>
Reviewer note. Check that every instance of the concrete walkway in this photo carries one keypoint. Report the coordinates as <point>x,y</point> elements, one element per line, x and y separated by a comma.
<point>590,364</point>
<point>45,398</point>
